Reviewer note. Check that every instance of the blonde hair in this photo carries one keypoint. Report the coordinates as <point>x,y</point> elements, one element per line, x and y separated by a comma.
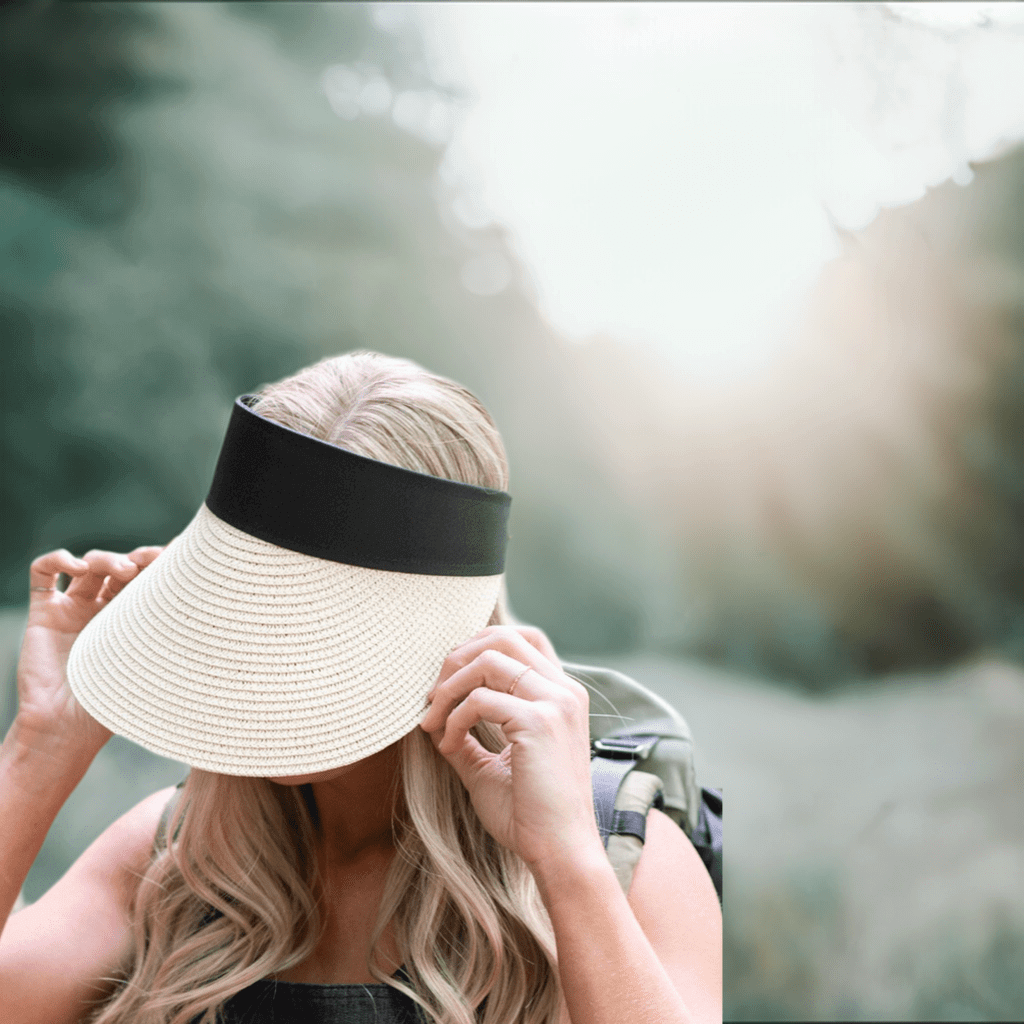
<point>235,896</point>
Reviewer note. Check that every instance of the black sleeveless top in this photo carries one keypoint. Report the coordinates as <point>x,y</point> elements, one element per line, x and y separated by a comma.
<point>290,1002</point>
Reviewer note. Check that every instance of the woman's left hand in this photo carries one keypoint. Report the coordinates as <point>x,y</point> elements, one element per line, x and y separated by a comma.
<point>534,796</point>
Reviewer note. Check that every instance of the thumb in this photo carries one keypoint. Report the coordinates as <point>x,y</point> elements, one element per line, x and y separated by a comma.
<point>468,759</point>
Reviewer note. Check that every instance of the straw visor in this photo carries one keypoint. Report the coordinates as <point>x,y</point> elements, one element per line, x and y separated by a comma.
<point>243,656</point>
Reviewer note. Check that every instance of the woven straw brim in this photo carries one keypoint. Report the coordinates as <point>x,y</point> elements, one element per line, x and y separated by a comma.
<point>237,656</point>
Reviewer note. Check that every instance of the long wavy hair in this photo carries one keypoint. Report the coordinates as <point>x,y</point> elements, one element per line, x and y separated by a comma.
<point>234,896</point>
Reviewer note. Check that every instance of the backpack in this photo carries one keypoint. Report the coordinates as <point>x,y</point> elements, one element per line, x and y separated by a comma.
<point>642,757</point>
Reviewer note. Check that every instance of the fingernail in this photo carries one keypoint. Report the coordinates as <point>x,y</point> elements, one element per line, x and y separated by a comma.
<point>81,563</point>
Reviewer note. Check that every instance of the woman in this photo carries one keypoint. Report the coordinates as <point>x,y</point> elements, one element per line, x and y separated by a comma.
<point>337,854</point>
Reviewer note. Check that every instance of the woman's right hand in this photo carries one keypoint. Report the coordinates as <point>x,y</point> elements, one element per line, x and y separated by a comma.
<point>49,718</point>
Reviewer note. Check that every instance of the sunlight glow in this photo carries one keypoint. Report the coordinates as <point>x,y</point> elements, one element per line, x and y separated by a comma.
<point>673,174</point>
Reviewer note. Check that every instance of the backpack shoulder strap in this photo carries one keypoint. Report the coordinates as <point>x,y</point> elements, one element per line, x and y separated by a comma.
<point>606,778</point>
<point>638,793</point>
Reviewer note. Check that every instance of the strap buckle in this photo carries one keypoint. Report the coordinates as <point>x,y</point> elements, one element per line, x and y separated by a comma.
<point>632,748</point>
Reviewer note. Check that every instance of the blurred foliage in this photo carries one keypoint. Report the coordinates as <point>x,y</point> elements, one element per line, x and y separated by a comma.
<point>774,940</point>
<point>787,958</point>
<point>201,198</point>
<point>977,984</point>
<point>187,218</point>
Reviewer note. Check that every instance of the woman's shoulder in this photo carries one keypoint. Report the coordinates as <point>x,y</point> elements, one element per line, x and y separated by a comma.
<point>118,857</point>
<point>670,867</point>
<point>674,900</point>
<point>112,864</point>
<point>53,951</point>
<point>136,830</point>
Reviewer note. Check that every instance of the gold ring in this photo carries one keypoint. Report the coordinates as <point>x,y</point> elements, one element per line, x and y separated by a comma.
<point>517,678</point>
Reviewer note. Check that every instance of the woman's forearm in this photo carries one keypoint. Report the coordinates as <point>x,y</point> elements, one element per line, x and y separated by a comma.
<point>37,774</point>
<point>609,972</point>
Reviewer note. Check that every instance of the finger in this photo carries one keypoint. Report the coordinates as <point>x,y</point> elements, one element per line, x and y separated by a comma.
<point>489,668</point>
<point>484,705</point>
<point>113,585</point>
<point>141,556</point>
<point>505,639</point>
<point>101,565</point>
<point>496,671</point>
<point>44,570</point>
<point>468,758</point>
<point>145,555</point>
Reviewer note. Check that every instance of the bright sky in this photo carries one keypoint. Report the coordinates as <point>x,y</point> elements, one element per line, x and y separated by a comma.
<point>670,172</point>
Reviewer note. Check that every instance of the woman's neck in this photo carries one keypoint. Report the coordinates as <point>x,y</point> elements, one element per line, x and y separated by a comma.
<point>356,809</point>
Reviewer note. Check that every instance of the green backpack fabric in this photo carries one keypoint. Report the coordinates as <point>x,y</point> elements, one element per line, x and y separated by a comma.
<point>642,757</point>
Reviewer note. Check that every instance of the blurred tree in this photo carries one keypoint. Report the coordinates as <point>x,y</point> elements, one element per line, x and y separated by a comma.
<point>201,199</point>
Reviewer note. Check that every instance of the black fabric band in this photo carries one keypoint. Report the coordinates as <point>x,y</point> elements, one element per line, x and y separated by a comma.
<point>629,823</point>
<point>309,496</point>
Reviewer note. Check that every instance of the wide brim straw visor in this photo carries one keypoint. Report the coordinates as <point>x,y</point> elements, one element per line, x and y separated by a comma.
<point>237,656</point>
<point>241,656</point>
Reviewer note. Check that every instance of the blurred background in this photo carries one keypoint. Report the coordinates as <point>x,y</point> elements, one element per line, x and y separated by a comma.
<point>743,286</point>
